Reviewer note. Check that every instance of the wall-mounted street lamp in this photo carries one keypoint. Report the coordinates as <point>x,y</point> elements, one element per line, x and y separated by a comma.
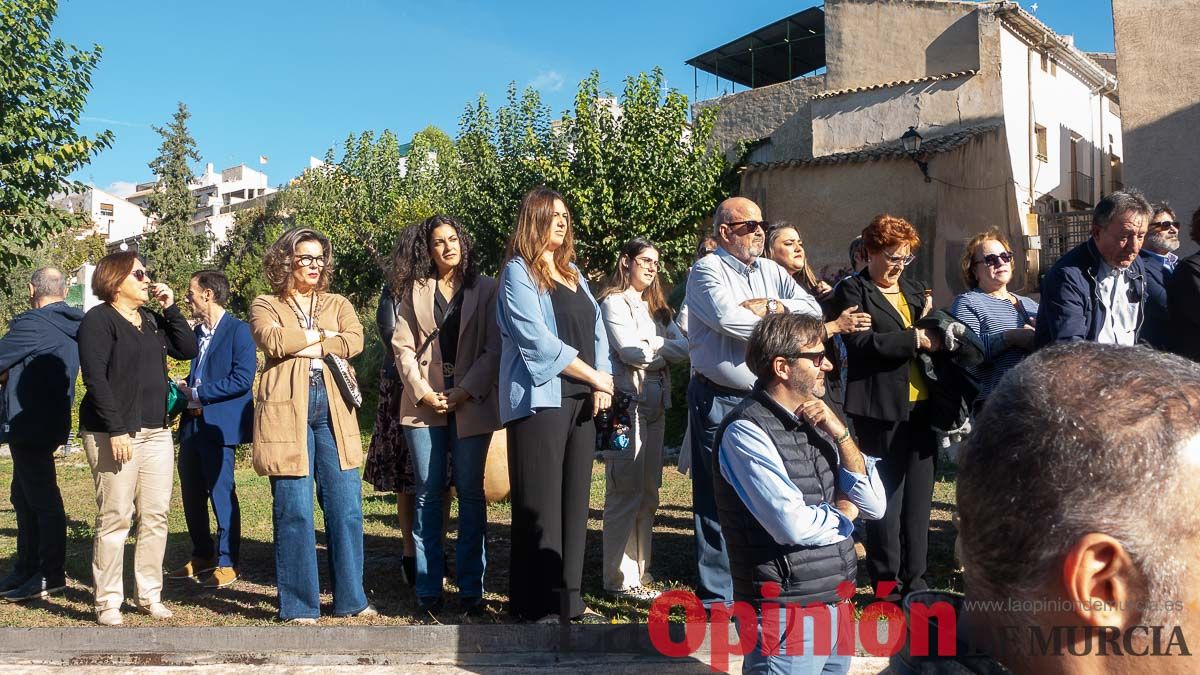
<point>912,145</point>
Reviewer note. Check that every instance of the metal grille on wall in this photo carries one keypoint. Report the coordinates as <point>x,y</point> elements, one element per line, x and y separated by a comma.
<point>1061,232</point>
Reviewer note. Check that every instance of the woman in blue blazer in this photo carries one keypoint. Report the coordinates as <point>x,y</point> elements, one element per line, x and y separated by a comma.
<point>555,376</point>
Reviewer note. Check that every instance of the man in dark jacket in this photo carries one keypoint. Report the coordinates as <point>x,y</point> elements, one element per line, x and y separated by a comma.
<point>1077,532</point>
<point>219,417</point>
<point>1097,291</point>
<point>1159,260</point>
<point>790,484</point>
<point>41,358</point>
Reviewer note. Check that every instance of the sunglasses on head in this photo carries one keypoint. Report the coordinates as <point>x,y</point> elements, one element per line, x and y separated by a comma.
<point>997,259</point>
<point>141,275</point>
<point>748,226</point>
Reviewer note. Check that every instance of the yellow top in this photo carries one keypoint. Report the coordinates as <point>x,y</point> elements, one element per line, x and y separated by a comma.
<point>918,388</point>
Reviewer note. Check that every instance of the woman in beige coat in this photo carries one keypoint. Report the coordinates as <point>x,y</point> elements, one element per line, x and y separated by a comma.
<point>304,429</point>
<point>447,346</point>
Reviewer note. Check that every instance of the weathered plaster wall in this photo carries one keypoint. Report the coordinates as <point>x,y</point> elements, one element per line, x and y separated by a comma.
<point>780,112</point>
<point>833,203</point>
<point>1158,67</point>
<point>855,120</point>
<point>873,41</point>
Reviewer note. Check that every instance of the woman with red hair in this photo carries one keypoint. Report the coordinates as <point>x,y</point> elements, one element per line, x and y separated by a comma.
<point>887,397</point>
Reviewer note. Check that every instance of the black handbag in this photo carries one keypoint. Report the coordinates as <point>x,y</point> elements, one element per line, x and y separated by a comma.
<point>343,376</point>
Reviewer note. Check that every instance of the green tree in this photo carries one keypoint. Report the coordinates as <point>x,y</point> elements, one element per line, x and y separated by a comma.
<point>63,250</point>
<point>173,249</point>
<point>241,256</point>
<point>44,83</point>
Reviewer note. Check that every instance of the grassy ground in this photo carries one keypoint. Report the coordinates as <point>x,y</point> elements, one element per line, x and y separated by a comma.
<point>251,601</point>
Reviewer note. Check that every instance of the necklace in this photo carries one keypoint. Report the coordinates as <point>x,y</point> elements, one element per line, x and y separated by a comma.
<point>134,317</point>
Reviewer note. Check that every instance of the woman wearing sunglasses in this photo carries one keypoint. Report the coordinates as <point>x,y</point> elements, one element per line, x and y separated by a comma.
<point>1003,320</point>
<point>887,397</point>
<point>126,431</point>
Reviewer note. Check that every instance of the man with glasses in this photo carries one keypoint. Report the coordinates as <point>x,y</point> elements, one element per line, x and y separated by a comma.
<point>1097,290</point>
<point>219,417</point>
<point>790,484</point>
<point>1159,259</point>
<point>728,293</point>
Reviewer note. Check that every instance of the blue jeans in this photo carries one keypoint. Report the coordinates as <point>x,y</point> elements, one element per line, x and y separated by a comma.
<point>706,408</point>
<point>804,663</point>
<point>430,449</point>
<point>339,494</point>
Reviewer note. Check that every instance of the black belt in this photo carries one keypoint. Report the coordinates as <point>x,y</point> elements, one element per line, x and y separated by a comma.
<point>724,391</point>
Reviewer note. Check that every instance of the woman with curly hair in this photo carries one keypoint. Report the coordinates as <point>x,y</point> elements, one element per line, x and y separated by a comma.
<point>555,368</point>
<point>447,346</point>
<point>887,398</point>
<point>388,467</point>
<point>305,430</point>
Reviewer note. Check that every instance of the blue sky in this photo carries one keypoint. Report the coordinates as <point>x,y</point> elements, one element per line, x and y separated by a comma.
<point>290,79</point>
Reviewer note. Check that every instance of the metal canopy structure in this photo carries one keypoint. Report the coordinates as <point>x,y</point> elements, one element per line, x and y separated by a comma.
<point>775,53</point>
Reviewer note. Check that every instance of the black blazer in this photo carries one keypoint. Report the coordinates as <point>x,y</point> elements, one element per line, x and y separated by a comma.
<point>877,359</point>
<point>1183,305</point>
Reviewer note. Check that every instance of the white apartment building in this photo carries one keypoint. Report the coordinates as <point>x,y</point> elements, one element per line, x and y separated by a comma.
<point>113,217</point>
<point>217,197</point>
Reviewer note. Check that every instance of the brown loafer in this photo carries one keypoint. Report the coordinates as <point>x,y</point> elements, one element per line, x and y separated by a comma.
<point>194,569</point>
<point>220,578</point>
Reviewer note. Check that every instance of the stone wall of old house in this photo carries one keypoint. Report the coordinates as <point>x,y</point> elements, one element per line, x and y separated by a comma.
<point>872,41</point>
<point>832,203</point>
<point>779,112</point>
<point>1158,67</point>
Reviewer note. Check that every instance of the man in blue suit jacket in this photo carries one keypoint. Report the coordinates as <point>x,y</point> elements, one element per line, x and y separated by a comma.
<point>219,417</point>
<point>1159,260</point>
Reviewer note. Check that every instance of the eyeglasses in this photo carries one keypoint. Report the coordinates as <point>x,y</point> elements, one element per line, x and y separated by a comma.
<point>743,227</point>
<point>648,263</point>
<point>309,261</point>
<point>141,275</point>
<point>997,259</point>
<point>817,358</point>
<point>902,260</point>
<point>1167,224</point>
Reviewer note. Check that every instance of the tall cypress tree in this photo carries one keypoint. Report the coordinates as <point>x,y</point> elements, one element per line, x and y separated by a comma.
<point>173,250</point>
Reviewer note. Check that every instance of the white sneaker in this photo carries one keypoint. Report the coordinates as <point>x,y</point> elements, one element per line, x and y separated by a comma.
<point>156,610</point>
<point>637,594</point>
<point>303,621</point>
<point>109,617</point>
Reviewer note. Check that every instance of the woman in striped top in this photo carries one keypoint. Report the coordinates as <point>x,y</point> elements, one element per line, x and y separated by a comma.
<point>1003,320</point>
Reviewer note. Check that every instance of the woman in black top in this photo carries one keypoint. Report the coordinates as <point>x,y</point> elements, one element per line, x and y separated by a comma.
<point>555,376</point>
<point>447,347</point>
<point>126,432</point>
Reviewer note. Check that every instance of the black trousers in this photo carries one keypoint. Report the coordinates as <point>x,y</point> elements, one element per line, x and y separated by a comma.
<point>898,544</point>
<point>550,468</point>
<point>41,520</point>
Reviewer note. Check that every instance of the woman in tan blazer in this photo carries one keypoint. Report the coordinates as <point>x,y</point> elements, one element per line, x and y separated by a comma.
<point>305,430</point>
<point>447,346</point>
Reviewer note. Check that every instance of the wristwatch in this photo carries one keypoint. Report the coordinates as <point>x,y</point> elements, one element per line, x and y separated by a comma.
<point>772,306</point>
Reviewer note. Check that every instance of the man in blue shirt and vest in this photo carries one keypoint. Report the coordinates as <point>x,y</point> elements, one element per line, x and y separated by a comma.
<point>790,484</point>
<point>40,356</point>
<point>219,418</point>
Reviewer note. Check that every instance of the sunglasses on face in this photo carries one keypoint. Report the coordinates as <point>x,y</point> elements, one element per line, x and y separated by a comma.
<point>309,261</point>
<point>1166,224</point>
<point>997,259</point>
<point>141,275</point>
<point>817,358</point>
<point>742,227</point>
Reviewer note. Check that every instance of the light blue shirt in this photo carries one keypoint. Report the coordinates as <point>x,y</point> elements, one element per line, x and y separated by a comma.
<point>1169,260</point>
<point>206,335</point>
<point>531,355</point>
<point>752,465</point>
<point>719,327</point>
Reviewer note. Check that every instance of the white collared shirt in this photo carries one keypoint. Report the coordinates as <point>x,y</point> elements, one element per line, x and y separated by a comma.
<point>1120,315</point>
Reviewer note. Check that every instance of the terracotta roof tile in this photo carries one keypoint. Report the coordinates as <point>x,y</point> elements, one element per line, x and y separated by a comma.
<point>887,150</point>
<point>897,83</point>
